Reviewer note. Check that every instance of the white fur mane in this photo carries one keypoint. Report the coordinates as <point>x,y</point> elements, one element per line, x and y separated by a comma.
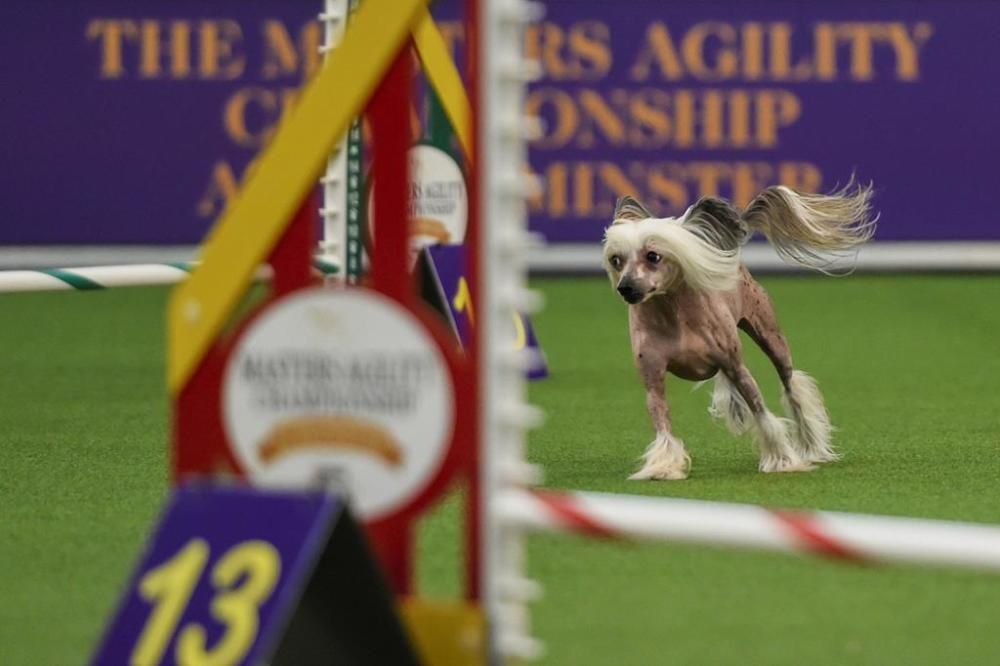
<point>704,266</point>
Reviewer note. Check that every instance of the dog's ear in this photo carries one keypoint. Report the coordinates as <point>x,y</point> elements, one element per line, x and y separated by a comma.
<point>627,208</point>
<point>716,221</point>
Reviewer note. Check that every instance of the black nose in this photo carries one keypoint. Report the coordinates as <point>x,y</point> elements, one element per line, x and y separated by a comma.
<point>630,293</point>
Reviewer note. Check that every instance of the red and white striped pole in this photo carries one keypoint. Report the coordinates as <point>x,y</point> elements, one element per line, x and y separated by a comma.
<point>844,536</point>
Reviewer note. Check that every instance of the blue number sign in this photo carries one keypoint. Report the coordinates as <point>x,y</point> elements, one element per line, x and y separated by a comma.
<point>447,264</point>
<point>224,575</point>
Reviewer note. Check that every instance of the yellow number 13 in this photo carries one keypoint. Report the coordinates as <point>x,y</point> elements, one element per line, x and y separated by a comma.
<point>244,578</point>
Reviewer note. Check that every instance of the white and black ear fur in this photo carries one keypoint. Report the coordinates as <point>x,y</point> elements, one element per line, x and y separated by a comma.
<point>717,222</point>
<point>628,209</point>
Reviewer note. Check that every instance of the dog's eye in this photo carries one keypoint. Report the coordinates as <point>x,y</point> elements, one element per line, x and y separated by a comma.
<point>616,262</point>
<point>652,257</point>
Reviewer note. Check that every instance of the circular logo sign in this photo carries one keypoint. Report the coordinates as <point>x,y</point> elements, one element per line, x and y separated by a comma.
<point>439,203</point>
<point>345,386</point>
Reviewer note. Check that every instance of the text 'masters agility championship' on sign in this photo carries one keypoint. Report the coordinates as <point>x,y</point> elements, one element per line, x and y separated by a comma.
<point>438,199</point>
<point>346,384</point>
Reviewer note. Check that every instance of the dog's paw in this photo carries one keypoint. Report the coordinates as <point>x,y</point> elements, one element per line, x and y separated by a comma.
<point>784,463</point>
<point>664,474</point>
<point>821,456</point>
<point>664,460</point>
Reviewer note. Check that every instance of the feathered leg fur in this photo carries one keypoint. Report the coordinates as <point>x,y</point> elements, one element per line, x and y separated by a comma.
<point>812,429</point>
<point>665,459</point>
<point>771,433</point>
<point>807,427</point>
<point>729,406</point>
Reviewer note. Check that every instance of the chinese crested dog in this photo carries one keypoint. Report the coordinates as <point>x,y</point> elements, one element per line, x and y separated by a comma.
<point>689,295</point>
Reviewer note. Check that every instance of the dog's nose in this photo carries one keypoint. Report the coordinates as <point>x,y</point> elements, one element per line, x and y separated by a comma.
<point>629,293</point>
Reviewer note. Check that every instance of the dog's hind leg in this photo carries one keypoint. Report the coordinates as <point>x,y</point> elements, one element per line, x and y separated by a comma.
<point>777,454</point>
<point>665,458</point>
<point>729,406</point>
<point>803,403</point>
<point>813,430</point>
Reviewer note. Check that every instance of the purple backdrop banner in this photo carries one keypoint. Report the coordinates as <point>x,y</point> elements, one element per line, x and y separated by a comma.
<point>673,100</point>
<point>131,122</point>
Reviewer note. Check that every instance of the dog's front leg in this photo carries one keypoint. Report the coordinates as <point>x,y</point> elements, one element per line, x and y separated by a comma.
<point>665,458</point>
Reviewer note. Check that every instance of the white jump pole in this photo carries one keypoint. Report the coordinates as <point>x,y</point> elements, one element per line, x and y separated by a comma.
<point>857,537</point>
<point>506,414</point>
<point>90,278</point>
<point>93,277</point>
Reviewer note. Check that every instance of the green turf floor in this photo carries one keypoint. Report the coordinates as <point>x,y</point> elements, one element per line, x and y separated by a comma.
<point>909,366</point>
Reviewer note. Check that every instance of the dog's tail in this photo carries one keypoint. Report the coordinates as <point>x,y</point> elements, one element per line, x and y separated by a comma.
<point>813,230</point>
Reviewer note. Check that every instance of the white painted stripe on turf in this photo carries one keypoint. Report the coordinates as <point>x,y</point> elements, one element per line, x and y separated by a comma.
<point>879,256</point>
<point>555,258</point>
<point>61,256</point>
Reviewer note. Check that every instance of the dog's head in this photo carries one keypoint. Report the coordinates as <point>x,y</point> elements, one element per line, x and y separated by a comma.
<point>636,264</point>
<point>645,256</point>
